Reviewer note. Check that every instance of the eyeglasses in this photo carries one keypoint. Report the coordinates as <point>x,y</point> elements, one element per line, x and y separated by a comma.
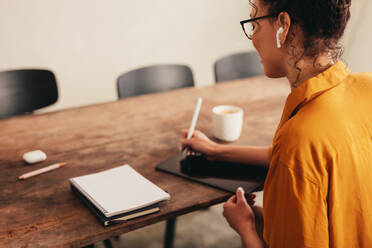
<point>247,26</point>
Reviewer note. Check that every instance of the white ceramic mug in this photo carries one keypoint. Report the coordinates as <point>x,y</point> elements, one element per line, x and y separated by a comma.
<point>227,122</point>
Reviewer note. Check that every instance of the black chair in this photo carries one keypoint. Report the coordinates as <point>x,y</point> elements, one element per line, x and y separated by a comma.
<point>239,65</point>
<point>153,79</point>
<point>24,91</point>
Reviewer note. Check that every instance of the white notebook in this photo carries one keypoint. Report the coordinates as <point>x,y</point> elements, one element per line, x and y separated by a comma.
<point>119,190</point>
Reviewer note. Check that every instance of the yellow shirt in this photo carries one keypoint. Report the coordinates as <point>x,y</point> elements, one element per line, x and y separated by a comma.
<point>318,192</point>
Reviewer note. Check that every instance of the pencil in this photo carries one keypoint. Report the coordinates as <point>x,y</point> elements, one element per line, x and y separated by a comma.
<point>41,171</point>
<point>193,121</point>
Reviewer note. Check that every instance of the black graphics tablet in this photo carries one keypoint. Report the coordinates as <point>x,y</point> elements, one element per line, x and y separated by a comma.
<point>221,175</point>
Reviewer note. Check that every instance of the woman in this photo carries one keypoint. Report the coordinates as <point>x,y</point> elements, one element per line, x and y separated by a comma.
<point>318,191</point>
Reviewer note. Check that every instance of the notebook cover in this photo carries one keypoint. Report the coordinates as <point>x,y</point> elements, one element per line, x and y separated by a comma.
<point>222,175</point>
<point>102,189</point>
<point>110,221</point>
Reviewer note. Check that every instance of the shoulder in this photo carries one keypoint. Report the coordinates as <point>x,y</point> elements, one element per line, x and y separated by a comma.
<point>326,120</point>
<point>359,84</point>
<point>362,77</point>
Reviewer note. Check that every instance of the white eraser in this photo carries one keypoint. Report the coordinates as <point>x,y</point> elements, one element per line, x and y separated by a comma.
<point>34,156</point>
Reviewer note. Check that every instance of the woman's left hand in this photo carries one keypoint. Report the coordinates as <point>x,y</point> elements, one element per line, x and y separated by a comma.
<point>238,212</point>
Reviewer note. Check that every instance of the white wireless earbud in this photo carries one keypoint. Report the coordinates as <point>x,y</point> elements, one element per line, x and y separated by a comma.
<point>280,31</point>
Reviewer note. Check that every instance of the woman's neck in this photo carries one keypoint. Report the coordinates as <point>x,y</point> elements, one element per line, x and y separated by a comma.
<point>306,69</point>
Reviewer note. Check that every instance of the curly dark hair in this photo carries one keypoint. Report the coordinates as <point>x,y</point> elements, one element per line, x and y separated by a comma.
<point>322,22</point>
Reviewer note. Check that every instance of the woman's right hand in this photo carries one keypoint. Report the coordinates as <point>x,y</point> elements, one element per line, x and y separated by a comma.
<point>200,143</point>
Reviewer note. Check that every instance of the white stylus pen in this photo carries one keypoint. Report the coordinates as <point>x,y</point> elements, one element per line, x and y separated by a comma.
<point>193,121</point>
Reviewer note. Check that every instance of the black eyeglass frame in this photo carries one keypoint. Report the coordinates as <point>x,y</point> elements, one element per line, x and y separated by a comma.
<point>252,20</point>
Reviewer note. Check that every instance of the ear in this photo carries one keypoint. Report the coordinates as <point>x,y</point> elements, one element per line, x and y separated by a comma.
<point>283,21</point>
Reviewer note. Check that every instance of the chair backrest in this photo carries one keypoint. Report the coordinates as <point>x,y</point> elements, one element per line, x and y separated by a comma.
<point>23,91</point>
<point>153,79</point>
<point>239,65</point>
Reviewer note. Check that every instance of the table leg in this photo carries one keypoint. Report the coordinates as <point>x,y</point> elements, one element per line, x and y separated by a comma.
<point>169,233</point>
<point>107,243</point>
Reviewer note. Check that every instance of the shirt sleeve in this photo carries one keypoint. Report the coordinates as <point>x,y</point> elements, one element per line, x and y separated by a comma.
<point>295,211</point>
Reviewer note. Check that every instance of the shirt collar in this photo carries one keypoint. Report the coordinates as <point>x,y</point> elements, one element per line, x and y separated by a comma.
<point>312,88</point>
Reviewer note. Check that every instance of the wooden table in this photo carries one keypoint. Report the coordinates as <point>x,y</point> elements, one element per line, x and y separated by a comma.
<point>141,131</point>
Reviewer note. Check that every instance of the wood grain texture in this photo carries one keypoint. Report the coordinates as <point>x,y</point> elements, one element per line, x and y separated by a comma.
<point>141,131</point>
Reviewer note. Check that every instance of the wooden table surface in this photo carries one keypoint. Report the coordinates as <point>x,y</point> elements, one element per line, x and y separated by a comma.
<point>141,131</point>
